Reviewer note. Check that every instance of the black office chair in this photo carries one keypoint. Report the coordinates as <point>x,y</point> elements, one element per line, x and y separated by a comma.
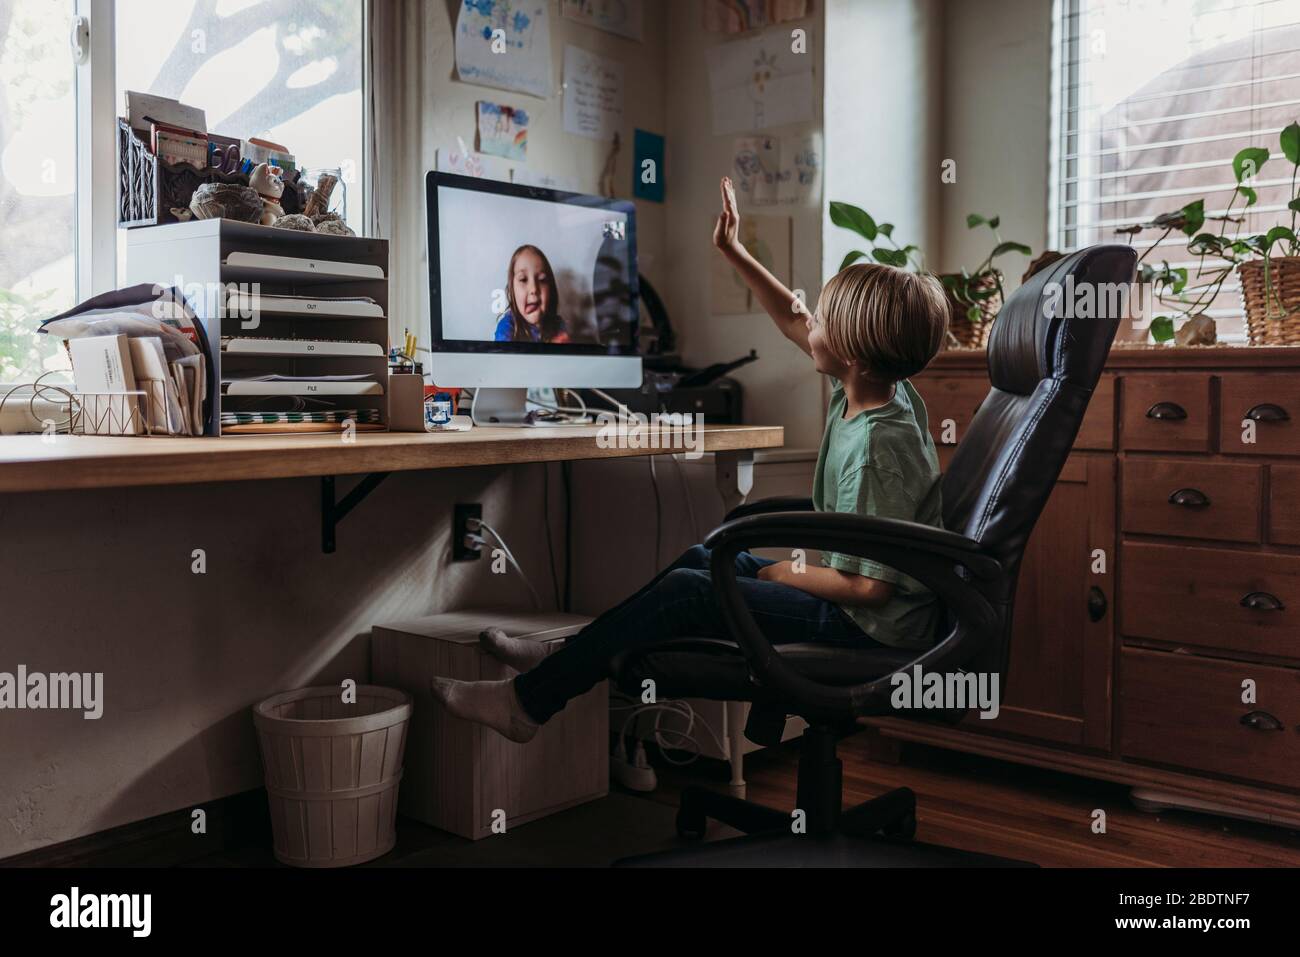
<point>1043,365</point>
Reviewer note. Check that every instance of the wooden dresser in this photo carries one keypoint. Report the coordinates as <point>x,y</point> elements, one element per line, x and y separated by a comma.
<point>1161,587</point>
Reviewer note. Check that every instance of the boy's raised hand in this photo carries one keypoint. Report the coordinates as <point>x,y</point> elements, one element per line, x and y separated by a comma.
<point>728,225</point>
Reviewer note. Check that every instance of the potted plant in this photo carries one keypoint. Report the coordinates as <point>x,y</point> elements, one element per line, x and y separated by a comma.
<point>1270,283</point>
<point>976,295</point>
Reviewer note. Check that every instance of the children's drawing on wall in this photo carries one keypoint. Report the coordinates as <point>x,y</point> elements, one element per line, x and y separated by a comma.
<point>502,131</point>
<point>759,83</point>
<point>463,161</point>
<point>505,44</point>
<point>621,17</point>
<point>768,240</point>
<point>770,170</point>
<point>737,16</point>
<point>593,94</point>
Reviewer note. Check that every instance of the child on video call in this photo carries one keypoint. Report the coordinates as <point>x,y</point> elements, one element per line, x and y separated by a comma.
<point>873,328</point>
<point>532,300</point>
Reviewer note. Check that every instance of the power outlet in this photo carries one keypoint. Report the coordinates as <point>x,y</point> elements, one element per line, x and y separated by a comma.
<point>460,517</point>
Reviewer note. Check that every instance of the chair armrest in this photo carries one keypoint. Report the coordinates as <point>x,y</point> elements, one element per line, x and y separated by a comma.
<point>957,569</point>
<point>777,503</point>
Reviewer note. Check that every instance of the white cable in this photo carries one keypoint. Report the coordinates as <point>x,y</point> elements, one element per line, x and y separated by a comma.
<point>537,599</point>
<point>618,406</point>
<point>659,511</point>
<point>661,734</point>
<point>686,494</point>
<point>580,410</point>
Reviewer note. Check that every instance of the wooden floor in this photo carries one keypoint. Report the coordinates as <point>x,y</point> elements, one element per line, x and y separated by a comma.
<point>963,801</point>
<point>989,806</point>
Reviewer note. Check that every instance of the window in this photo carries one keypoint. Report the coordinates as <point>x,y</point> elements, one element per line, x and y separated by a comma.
<point>38,180</point>
<point>290,71</point>
<point>1153,99</point>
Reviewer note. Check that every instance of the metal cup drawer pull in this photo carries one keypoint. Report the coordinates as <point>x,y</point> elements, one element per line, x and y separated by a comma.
<point>1268,412</point>
<point>1171,411</point>
<point>1190,498</point>
<point>1262,601</point>
<point>1261,721</point>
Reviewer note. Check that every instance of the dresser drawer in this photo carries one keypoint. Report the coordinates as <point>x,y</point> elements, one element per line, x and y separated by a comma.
<point>955,398</point>
<point>1186,711</point>
<point>1230,601</point>
<point>1192,499</point>
<point>1271,402</point>
<point>1166,413</point>
<point>1284,504</point>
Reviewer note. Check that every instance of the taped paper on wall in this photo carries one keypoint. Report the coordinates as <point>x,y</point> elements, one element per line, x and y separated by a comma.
<point>593,94</point>
<point>464,162</point>
<point>502,130</point>
<point>531,177</point>
<point>770,170</point>
<point>759,83</point>
<point>737,16</point>
<point>621,17</point>
<point>505,44</point>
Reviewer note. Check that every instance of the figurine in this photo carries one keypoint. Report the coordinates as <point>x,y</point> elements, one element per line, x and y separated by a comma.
<point>266,179</point>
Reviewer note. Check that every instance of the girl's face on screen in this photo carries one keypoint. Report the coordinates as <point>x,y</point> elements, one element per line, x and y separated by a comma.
<point>532,287</point>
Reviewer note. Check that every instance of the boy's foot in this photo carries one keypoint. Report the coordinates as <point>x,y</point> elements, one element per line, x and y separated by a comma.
<point>518,653</point>
<point>492,703</point>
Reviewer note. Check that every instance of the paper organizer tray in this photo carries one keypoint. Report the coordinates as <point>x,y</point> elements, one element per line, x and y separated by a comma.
<point>138,413</point>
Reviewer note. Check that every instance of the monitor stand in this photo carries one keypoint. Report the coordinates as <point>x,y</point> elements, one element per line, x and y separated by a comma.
<point>509,407</point>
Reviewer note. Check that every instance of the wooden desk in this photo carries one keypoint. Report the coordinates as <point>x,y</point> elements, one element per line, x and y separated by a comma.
<point>32,463</point>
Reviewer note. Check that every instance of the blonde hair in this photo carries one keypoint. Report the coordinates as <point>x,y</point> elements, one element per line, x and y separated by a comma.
<point>892,320</point>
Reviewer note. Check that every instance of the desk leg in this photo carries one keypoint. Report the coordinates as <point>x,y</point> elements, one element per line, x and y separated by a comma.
<point>734,472</point>
<point>736,746</point>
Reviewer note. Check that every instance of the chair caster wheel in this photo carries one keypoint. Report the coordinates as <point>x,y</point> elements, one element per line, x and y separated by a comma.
<point>904,828</point>
<point>690,827</point>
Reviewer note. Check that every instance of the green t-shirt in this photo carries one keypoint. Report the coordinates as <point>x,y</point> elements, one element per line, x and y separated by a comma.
<point>882,462</point>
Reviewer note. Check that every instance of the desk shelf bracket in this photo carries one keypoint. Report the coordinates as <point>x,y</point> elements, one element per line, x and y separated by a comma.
<point>333,511</point>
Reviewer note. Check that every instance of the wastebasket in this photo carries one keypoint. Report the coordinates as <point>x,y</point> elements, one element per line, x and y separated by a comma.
<point>332,771</point>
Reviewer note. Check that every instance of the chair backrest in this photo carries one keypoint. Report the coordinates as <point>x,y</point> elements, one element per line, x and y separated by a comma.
<point>1045,354</point>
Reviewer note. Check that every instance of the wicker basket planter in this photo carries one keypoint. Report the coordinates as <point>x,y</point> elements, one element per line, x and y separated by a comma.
<point>332,771</point>
<point>1272,314</point>
<point>968,334</point>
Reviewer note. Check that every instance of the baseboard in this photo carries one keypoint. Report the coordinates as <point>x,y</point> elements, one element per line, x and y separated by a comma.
<point>167,840</point>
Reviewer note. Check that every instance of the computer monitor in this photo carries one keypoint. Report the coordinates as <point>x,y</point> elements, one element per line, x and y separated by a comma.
<point>529,287</point>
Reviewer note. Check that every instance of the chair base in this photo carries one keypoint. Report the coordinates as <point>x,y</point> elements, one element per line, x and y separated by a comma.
<point>877,833</point>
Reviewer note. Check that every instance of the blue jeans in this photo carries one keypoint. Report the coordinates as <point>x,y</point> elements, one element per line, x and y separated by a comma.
<point>679,602</point>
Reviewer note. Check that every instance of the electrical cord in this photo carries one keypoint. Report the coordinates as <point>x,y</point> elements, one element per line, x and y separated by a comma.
<point>661,735</point>
<point>537,599</point>
<point>659,513</point>
<point>546,520</point>
<point>686,495</point>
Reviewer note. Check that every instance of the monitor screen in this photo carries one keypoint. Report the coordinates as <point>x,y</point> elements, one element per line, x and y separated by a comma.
<point>522,269</point>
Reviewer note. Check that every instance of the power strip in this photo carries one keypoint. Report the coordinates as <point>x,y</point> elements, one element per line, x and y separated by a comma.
<point>635,775</point>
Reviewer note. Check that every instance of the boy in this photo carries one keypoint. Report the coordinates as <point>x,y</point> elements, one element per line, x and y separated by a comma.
<point>874,327</point>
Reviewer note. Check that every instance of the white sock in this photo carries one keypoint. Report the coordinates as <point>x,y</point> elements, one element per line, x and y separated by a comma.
<point>518,653</point>
<point>491,703</point>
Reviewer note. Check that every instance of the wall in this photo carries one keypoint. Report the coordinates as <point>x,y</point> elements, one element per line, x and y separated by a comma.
<point>781,388</point>
<point>883,100</point>
<point>102,582</point>
<point>997,57</point>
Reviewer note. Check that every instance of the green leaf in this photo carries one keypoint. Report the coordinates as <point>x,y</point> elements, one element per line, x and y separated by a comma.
<point>1162,328</point>
<point>1250,160</point>
<point>1276,233</point>
<point>1193,216</point>
<point>993,223</point>
<point>1009,247</point>
<point>1294,204</point>
<point>1252,197</point>
<point>974,314</point>
<point>1291,143</point>
<point>974,219</point>
<point>851,258</point>
<point>1177,280</point>
<point>885,229</point>
<point>1205,244</point>
<point>890,257</point>
<point>988,292</point>
<point>848,216</point>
